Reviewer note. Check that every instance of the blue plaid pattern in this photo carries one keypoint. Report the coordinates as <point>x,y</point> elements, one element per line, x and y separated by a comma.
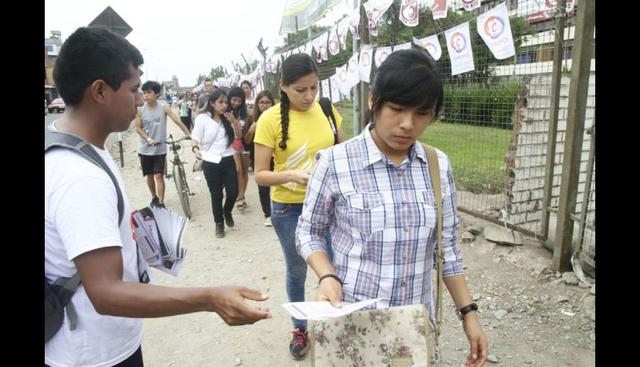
<point>382,220</point>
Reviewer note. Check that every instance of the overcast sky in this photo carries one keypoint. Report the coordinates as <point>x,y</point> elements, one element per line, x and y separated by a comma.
<point>184,37</point>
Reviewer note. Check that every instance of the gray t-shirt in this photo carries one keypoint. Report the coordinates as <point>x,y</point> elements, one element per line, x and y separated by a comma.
<point>202,100</point>
<point>154,124</point>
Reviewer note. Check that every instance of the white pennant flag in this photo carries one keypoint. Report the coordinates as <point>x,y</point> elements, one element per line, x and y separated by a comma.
<point>381,54</point>
<point>335,90</point>
<point>439,9</point>
<point>402,46</point>
<point>341,76</point>
<point>431,44</point>
<point>343,29</point>
<point>354,23</point>
<point>353,71</point>
<point>334,43</point>
<point>320,45</point>
<point>459,47</point>
<point>470,5</point>
<point>374,10</point>
<point>409,13</point>
<point>364,65</point>
<point>326,92</point>
<point>494,28</point>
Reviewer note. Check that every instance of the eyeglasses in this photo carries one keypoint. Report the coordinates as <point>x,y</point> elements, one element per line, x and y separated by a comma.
<point>265,102</point>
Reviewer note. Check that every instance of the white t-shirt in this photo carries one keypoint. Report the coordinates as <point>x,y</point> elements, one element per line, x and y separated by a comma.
<point>81,215</point>
<point>212,137</point>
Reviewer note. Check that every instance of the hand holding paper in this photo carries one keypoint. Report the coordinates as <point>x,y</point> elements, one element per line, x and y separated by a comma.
<point>323,310</point>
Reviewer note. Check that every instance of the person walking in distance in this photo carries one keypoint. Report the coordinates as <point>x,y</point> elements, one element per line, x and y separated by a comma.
<point>213,134</point>
<point>202,101</point>
<point>238,108</point>
<point>184,108</point>
<point>264,101</point>
<point>248,98</point>
<point>97,73</point>
<point>151,125</point>
<point>293,131</point>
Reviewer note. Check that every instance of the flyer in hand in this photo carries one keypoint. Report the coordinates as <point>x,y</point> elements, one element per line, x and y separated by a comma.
<point>158,233</point>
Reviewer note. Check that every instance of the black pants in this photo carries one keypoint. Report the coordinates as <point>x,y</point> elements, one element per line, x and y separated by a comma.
<point>265,199</point>
<point>135,360</point>
<point>221,175</point>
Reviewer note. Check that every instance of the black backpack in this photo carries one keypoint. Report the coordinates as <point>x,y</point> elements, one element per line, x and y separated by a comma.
<point>325,103</point>
<point>58,294</point>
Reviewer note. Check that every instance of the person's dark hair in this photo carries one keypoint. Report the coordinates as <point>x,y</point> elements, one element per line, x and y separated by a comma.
<point>207,80</point>
<point>225,123</point>
<point>294,67</point>
<point>245,82</point>
<point>241,112</point>
<point>256,109</point>
<point>408,78</point>
<point>91,54</point>
<point>152,85</point>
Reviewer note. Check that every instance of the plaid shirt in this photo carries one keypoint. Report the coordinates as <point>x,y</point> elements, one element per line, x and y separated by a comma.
<point>382,220</point>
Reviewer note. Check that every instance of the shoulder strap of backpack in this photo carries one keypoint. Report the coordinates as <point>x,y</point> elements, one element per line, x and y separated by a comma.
<point>325,103</point>
<point>53,139</point>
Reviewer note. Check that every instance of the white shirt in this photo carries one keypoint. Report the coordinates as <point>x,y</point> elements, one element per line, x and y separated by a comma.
<point>212,137</point>
<point>81,215</point>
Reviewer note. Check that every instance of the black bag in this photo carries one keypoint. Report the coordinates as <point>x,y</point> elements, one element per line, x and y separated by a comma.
<point>58,294</point>
<point>325,103</point>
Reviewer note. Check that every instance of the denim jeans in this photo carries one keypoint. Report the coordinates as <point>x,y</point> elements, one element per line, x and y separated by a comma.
<point>284,218</point>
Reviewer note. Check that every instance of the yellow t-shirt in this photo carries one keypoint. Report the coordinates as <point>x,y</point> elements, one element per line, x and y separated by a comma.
<point>309,132</point>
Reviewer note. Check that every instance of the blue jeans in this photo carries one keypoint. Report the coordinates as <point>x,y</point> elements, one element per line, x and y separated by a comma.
<point>284,218</point>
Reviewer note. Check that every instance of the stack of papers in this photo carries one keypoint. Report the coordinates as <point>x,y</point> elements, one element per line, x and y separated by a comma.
<point>158,233</point>
<point>323,310</point>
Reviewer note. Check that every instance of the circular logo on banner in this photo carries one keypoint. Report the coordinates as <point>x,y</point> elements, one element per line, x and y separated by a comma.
<point>458,42</point>
<point>409,11</point>
<point>365,59</point>
<point>333,46</point>
<point>467,2</point>
<point>493,27</point>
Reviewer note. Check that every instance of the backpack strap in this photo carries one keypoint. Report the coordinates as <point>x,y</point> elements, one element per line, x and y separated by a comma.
<point>65,288</point>
<point>325,103</point>
<point>53,139</point>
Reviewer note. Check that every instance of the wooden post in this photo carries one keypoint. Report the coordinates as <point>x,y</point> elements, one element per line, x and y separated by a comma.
<point>580,69</point>
<point>364,87</point>
<point>553,121</point>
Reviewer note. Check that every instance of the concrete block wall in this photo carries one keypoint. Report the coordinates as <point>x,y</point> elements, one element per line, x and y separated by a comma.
<point>526,159</point>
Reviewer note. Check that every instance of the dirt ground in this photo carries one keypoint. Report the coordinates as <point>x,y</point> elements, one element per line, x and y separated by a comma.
<point>532,316</point>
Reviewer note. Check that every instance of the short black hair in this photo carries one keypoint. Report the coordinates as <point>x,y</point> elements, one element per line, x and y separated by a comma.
<point>408,78</point>
<point>152,85</point>
<point>91,54</point>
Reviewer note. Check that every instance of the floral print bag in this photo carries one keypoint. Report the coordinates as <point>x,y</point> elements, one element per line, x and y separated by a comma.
<point>401,336</point>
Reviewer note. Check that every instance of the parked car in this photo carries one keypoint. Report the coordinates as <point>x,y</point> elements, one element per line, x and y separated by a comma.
<point>57,105</point>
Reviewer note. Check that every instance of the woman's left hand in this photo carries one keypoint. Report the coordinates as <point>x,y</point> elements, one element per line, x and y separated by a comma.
<point>478,344</point>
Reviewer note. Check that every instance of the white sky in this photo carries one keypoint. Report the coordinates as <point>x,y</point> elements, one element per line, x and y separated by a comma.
<point>183,38</point>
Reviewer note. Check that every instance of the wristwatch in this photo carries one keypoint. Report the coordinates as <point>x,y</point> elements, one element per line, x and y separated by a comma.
<point>465,310</point>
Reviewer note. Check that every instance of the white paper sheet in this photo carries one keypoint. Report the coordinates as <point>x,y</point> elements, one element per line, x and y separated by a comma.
<point>323,310</point>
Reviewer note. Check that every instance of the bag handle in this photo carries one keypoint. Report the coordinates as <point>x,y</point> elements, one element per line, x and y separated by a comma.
<point>434,172</point>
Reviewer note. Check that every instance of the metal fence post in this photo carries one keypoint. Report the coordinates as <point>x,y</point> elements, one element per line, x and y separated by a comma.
<point>553,120</point>
<point>582,54</point>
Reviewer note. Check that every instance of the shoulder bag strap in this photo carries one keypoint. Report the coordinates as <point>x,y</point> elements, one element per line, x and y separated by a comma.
<point>325,103</point>
<point>434,172</point>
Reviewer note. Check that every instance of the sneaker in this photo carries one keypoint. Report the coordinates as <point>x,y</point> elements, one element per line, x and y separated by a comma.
<point>299,344</point>
<point>161,205</point>
<point>154,201</point>
<point>219,230</point>
<point>229,220</point>
<point>242,205</point>
<point>267,222</point>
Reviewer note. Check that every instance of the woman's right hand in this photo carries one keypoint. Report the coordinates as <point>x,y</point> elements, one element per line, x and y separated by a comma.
<point>299,176</point>
<point>198,155</point>
<point>330,290</point>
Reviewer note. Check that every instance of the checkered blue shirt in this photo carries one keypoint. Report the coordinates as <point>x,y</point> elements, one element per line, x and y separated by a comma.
<point>382,220</point>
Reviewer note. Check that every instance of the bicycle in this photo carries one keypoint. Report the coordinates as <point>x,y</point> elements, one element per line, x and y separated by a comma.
<point>179,176</point>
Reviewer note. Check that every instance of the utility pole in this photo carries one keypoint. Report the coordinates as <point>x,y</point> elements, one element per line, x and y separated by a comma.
<point>364,87</point>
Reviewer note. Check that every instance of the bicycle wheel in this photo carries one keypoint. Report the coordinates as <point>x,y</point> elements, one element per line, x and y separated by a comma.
<point>180,179</point>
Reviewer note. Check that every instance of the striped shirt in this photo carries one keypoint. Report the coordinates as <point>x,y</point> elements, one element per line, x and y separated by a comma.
<point>382,220</point>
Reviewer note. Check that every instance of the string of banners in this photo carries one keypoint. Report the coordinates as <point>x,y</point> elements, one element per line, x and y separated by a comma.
<point>493,27</point>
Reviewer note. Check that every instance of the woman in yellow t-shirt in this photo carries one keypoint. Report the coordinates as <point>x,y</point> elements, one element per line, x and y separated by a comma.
<point>293,131</point>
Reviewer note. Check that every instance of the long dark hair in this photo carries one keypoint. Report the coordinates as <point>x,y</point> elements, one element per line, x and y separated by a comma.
<point>241,112</point>
<point>293,68</point>
<point>408,78</point>
<point>225,123</point>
